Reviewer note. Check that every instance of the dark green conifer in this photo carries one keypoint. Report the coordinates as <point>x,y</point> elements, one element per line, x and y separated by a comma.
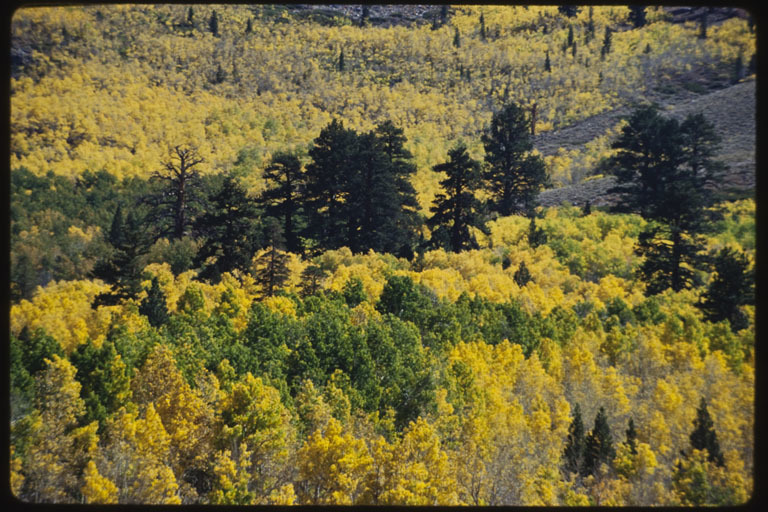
<point>340,63</point>
<point>457,38</point>
<point>281,199</point>
<point>536,236</point>
<point>456,209</point>
<point>154,306</point>
<point>574,444</point>
<point>522,275</point>
<point>513,176</point>
<point>353,292</point>
<point>738,69</point>
<point>606,49</point>
<point>569,11</point>
<point>704,437</point>
<point>589,34</point>
<point>703,21</point>
<point>482,27</point>
<point>631,437</point>
<point>547,63</point>
<point>732,287</point>
<point>663,170</point>
<point>249,26</point>
<point>637,15</point>
<point>191,16</point>
<point>311,280</point>
<point>598,446</point>
<point>570,35</point>
<point>229,231</point>
<point>271,268</point>
<point>213,24</point>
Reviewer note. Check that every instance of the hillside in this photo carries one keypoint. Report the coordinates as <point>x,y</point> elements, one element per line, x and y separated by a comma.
<point>296,254</point>
<point>732,110</point>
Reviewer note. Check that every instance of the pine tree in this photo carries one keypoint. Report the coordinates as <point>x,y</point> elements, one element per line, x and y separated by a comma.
<point>123,266</point>
<point>522,275</point>
<point>570,35</point>
<point>738,68</point>
<point>154,306</point>
<point>281,199</point>
<point>444,14</point>
<point>573,50</point>
<point>606,49</point>
<point>513,176</point>
<point>229,231</point>
<point>663,169</point>
<point>547,63</point>
<point>359,187</point>
<point>191,17</point>
<point>704,437</point>
<point>569,11</point>
<point>589,34</point>
<point>340,63</point>
<point>598,446</point>
<point>732,286</point>
<point>631,437</point>
<point>179,197</point>
<point>326,185</point>
<point>536,236</point>
<point>703,23</point>
<point>456,209</point>
<point>311,280</point>
<point>249,26</point>
<point>574,444</point>
<point>365,15</point>
<point>272,267</point>
<point>220,75</point>
<point>587,208</point>
<point>457,38</point>
<point>213,24</point>
<point>482,27</point>
<point>637,15</point>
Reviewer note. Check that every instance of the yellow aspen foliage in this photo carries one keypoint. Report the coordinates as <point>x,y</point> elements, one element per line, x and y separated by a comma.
<point>134,459</point>
<point>184,415</point>
<point>285,495</point>
<point>332,467</point>
<point>17,478</point>
<point>421,474</point>
<point>282,305</point>
<point>57,450</point>
<point>232,479</point>
<point>64,310</point>
<point>97,489</point>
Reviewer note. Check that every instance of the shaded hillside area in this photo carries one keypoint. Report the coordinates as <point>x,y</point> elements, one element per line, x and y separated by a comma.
<point>732,110</point>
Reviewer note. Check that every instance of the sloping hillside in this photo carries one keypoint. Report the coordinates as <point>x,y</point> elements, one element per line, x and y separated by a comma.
<point>732,110</point>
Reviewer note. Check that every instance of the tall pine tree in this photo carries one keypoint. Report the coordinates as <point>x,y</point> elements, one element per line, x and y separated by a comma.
<point>456,210</point>
<point>598,446</point>
<point>272,270</point>
<point>281,199</point>
<point>664,170</point>
<point>229,229</point>
<point>704,437</point>
<point>574,444</point>
<point>732,286</point>
<point>513,176</point>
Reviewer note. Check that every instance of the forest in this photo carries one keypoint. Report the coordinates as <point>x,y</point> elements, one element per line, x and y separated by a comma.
<point>277,255</point>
